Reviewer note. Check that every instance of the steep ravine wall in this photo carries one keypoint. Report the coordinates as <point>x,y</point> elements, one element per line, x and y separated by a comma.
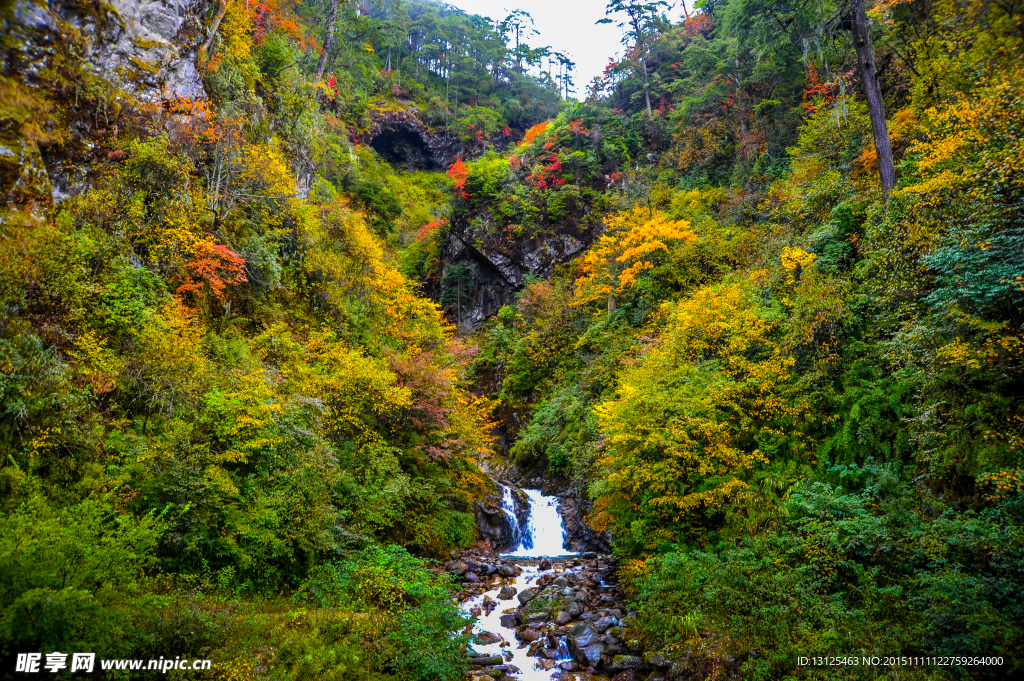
<point>118,55</point>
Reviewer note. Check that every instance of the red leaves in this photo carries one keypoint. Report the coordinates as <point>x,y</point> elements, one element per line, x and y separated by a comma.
<point>818,93</point>
<point>214,266</point>
<point>424,232</point>
<point>459,172</point>
<point>533,132</point>
<point>698,23</point>
<point>576,128</point>
<point>547,176</point>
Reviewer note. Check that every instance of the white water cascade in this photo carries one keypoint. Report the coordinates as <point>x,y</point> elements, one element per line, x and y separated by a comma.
<point>514,654</point>
<point>508,505</point>
<point>545,533</point>
<point>543,537</point>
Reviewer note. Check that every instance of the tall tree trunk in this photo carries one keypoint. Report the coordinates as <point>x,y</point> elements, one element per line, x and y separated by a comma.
<point>611,304</point>
<point>332,17</point>
<point>222,9</point>
<point>873,94</point>
<point>647,91</point>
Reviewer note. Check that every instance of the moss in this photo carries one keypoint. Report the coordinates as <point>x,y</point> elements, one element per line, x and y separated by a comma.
<point>144,44</point>
<point>141,65</point>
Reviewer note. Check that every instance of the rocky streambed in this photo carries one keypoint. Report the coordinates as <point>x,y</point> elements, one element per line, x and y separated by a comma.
<point>557,619</point>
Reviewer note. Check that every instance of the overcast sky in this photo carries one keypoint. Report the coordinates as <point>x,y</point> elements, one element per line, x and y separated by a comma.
<point>567,26</point>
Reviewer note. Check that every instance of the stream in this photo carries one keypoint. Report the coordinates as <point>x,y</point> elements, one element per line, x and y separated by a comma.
<point>532,645</point>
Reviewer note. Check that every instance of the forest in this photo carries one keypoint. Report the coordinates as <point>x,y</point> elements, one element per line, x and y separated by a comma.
<point>285,284</point>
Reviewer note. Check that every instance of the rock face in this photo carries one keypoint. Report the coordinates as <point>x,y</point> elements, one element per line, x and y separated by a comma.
<point>498,265</point>
<point>494,524</point>
<point>133,51</point>
<point>581,537</point>
<point>400,136</point>
<point>146,48</point>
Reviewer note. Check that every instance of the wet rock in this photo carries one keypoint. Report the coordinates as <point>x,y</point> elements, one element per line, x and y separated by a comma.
<point>471,577</point>
<point>628,675</point>
<point>656,676</point>
<point>568,666</point>
<point>508,620</point>
<point>507,593</point>
<point>528,635</point>
<point>603,624</point>
<point>537,618</point>
<point>544,564</point>
<point>488,637</point>
<point>563,618</point>
<point>457,567</point>
<point>485,660</point>
<point>575,610</point>
<point>585,645</point>
<point>657,660</point>
<point>508,571</point>
<point>627,662</point>
<point>526,595</point>
<point>676,671</point>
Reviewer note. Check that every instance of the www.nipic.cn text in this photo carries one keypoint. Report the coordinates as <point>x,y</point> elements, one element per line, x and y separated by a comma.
<point>32,663</point>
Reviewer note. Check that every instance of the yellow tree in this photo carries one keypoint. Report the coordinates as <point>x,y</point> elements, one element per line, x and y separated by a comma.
<point>631,245</point>
<point>693,417</point>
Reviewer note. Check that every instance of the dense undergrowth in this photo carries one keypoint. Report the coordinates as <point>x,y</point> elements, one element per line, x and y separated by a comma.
<point>793,399</point>
<point>233,427</point>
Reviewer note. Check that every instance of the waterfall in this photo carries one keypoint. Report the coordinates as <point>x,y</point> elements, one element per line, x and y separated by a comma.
<point>545,533</point>
<point>508,505</point>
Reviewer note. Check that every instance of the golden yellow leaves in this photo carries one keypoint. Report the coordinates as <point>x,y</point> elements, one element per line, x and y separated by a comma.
<point>684,427</point>
<point>98,366</point>
<point>795,261</point>
<point>342,250</point>
<point>629,247</point>
<point>236,31</point>
<point>981,128</point>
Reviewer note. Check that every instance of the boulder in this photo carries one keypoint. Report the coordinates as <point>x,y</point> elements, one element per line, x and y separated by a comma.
<point>528,635</point>
<point>657,660</point>
<point>507,593</point>
<point>471,577</point>
<point>526,595</point>
<point>628,675</point>
<point>585,645</point>
<point>488,637</point>
<point>508,620</point>
<point>627,662</point>
<point>537,618</point>
<point>507,571</point>
<point>575,610</point>
<point>544,564</point>
<point>603,624</point>
<point>562,618</point>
